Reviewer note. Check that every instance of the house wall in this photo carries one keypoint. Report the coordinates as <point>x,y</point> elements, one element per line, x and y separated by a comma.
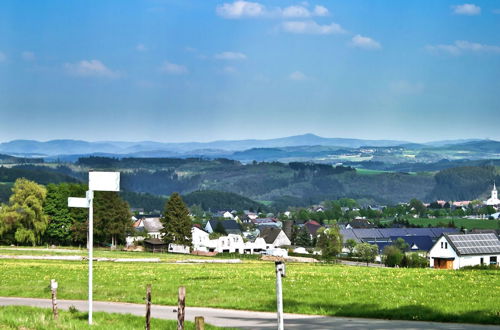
<point>442,252</point>
<point>282,239</point>
<point>459,261</point>
<point>474,260</point>
<point>200,239</point>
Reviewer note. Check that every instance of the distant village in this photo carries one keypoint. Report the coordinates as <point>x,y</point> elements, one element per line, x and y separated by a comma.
<point>283,235</point>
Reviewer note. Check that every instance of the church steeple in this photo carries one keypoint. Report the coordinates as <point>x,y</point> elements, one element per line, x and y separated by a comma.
<point>493,200</point>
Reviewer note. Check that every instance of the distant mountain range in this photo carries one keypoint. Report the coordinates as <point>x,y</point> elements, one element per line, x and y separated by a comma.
<point>156,149</point>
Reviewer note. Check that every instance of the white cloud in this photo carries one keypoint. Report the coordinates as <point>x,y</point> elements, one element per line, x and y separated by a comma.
<point>296,11</point>
<point>320,11</point>
<point>365,43</point>
<point>91,68</point>
<point>297,76</point>
<point>460,46</point>
<point>3,57</point>
<point>303,12</point>
<point>466,9</point>
<point>28,56</point>
<point>311,27</point>
<point>172,68</point>
<point>247,9</point>
<point>406,87</point>
<point>239,9</point>
<point>229,70</point>
<point>230,56</point>
<point>141,48</point>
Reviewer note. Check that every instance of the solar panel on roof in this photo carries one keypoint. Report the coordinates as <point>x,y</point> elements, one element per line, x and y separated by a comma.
<point>476,243</point>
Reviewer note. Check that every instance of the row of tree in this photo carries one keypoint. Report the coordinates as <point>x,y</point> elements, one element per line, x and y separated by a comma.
<point>37,215</point>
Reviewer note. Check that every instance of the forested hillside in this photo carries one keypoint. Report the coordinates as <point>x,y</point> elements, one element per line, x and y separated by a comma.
<point>292,184</point>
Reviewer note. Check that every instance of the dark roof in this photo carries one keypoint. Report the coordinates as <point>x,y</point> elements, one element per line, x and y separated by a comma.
<point>152,224</point>
<point>263,220</point>
<point>368,233</point>
<point>467,244</point>
<point>269,233</point>
<point>227,224</point>
<point>361,223</point>
<point>378,233</point>
<point>421,243</point>
<point>440,231</point>
<point>382,245</point>
<point>154,241</point>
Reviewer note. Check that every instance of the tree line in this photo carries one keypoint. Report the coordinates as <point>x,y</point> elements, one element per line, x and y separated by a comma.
<point>36,215</point>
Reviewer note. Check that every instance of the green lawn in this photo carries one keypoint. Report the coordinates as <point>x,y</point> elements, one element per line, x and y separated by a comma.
<point>22,317</point>
<point>413,294</point>
<point>459,222</point>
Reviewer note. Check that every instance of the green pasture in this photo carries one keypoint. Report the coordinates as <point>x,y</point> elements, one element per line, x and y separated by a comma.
<point>459,222</point>
<point>23,317</point>
<point>322,289</point>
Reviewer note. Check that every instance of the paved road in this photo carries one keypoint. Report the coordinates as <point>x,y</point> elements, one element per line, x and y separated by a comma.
<point>245,319</point>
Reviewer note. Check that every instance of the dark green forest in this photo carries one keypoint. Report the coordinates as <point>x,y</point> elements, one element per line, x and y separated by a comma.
<point>146,182</point>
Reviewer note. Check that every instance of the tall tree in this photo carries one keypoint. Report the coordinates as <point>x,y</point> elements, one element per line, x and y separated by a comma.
<point>112,218</point>
<point>62,219</point>
<point>23,220</point>
<point>176,222</point>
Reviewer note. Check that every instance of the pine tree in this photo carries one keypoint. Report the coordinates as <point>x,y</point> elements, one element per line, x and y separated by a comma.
<point>112,218</point>
<point>176,222</point>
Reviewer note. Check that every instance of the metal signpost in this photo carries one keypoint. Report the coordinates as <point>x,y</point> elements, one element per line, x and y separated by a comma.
<point>98,181</point>
<point>280,272</point>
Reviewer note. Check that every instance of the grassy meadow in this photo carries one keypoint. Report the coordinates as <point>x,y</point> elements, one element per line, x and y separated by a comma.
<point>323,289</point>
<point>459,222</point>
<point>23,317</point>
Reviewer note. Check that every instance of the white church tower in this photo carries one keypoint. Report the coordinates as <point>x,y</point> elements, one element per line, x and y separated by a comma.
<point>493,200</point>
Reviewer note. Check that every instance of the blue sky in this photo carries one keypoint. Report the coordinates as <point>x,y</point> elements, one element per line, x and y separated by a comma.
<point>183,70</point>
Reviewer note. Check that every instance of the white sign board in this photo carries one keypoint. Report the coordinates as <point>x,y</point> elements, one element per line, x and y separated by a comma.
<point>78,202</point>
<point>104,181</point>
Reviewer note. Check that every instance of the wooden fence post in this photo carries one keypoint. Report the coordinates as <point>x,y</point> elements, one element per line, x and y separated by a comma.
<point>148,307</point>
<point>180,308</point>
<point>53,289</point>
<point>199,322</point>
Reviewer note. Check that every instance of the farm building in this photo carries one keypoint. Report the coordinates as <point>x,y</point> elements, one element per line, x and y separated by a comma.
<point>454,251</point>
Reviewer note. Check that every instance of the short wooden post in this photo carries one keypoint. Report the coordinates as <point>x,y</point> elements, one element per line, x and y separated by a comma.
<point>148,307</point>
<point>53,289</point>
<point>199,321</point>
<point>180,308</point>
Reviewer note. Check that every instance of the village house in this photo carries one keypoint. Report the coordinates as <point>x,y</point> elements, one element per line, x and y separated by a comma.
<point>454,251</point>
<point>274,236</point>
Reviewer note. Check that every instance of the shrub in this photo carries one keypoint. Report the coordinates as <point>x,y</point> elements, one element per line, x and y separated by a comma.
<point>392,256</point>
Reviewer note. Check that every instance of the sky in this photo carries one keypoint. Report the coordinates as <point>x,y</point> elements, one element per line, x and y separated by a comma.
<point>204,70</point>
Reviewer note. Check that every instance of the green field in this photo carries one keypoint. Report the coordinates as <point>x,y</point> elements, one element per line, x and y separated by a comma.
<point>22,317</point>
<point>412,294</point>
<point>459,222</point>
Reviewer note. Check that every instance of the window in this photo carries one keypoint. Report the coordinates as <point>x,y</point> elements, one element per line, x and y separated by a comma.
<point>445,245</point>
<point>442,245</point>
<point>481,261</point>
<point>493,260</point>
